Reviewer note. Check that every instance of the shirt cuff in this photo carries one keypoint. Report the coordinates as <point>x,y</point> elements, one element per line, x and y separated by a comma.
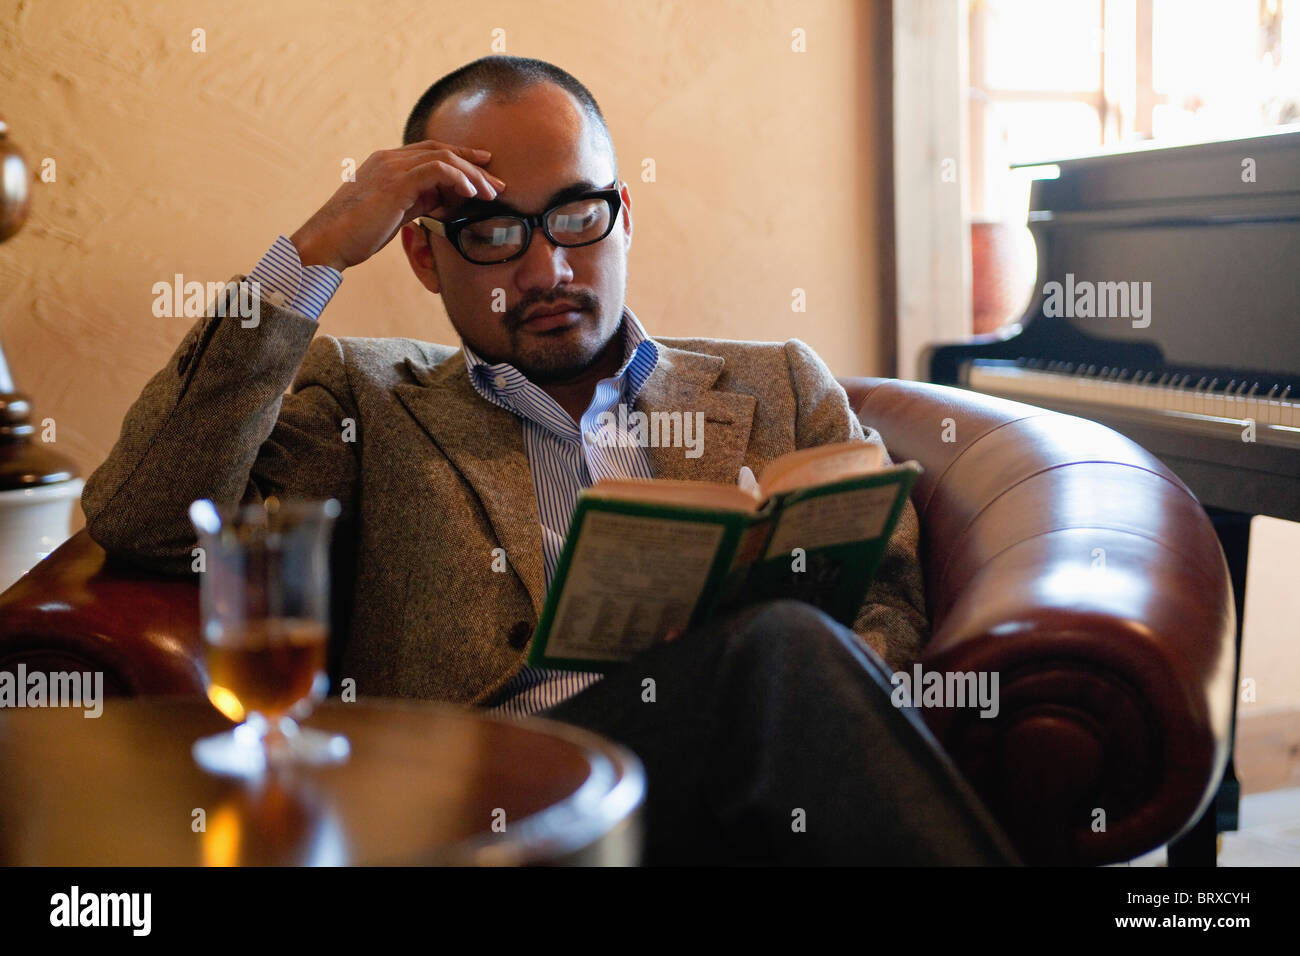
<point>286,282</point>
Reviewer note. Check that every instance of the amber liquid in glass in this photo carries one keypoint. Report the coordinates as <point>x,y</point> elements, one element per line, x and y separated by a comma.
<point>265,667</point>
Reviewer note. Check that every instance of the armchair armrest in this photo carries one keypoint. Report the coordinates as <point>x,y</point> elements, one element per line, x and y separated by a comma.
<point>79,610</point>
<point>1071,563</point>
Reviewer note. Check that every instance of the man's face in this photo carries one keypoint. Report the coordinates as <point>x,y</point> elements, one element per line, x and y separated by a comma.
<point>541,143</point>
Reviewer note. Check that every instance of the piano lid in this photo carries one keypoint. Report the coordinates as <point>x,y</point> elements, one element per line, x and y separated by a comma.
<point>1193,250</point>
<point>1153,175</point>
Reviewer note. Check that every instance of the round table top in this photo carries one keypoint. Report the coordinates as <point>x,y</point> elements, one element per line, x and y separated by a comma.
<point>425,783</point>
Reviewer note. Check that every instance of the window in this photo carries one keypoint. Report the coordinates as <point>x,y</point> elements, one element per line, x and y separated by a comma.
<point>1056,78</point>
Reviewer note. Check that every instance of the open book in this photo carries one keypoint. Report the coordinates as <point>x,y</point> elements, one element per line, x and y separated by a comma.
<point>646,558</point>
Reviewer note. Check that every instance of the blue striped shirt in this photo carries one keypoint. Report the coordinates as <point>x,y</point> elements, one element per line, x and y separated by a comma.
<point>284,281</point>
<point>562,464</point>
<point>561,461</point>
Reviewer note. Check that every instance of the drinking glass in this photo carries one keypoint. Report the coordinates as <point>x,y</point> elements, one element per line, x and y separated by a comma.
<point>265,619</point>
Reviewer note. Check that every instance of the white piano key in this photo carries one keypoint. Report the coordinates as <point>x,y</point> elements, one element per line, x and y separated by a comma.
<point>1139,392</point>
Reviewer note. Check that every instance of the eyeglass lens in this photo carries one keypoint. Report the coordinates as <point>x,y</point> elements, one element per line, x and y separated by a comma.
<point>573,224</point>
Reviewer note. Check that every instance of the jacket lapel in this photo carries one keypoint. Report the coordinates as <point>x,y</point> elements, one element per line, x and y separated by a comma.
<point>684,382</point>
<point>486,444</point>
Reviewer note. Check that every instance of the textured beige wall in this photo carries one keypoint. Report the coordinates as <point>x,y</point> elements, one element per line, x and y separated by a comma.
<point>168,160</point>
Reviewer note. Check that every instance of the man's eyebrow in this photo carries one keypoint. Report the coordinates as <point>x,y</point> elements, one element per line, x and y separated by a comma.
<point>478,207</point>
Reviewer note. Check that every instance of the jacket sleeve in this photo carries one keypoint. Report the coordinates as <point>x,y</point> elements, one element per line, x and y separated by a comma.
<point>892,619</point>
<point>216,422</point>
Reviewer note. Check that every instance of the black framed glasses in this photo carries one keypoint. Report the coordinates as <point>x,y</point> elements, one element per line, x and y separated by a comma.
<point>500,237</point>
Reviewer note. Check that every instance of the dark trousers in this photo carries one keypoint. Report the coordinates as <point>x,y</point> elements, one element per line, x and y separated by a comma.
<point>771,738</point>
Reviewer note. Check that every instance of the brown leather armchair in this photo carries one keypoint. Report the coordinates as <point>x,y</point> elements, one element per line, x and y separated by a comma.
<point>1057,553</point>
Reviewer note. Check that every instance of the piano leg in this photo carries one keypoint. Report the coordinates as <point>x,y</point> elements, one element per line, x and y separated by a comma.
<point>1197,847</point>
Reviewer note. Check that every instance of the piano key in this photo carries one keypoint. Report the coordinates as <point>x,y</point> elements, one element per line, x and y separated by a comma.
<point>1149,396</point>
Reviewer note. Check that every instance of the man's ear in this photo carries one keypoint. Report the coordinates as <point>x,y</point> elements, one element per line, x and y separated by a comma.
<point>416,243</point>
<point>626,197</point>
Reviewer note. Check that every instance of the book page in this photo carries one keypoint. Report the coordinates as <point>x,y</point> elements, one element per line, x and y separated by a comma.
<point>671,491</point>
<point>820,465</point>
<point>856,515</point>
<point>631,579</point>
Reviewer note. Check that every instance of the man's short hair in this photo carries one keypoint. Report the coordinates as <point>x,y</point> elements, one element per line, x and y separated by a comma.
<point>505,77</point>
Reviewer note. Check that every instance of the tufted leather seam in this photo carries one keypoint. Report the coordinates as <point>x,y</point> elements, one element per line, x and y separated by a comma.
<point>952,539</point>
<point>975,441</point>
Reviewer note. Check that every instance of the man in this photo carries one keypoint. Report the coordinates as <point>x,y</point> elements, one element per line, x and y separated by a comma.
<point>445,459</point>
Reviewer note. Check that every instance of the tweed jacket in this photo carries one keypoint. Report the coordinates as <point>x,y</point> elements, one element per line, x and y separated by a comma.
<point>433,479</point>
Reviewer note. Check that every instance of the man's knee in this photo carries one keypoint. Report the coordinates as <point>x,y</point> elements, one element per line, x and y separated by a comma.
<point>783,627</point>
<point>782,612</point>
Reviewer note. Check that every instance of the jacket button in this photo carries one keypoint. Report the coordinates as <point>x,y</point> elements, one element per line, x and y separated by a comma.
<point>519,635</point>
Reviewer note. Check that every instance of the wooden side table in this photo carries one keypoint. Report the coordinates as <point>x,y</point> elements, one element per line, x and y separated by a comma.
<point>426,783</point>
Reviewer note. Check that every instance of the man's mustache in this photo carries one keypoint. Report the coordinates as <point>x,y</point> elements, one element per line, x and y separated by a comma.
<point>584,301</point>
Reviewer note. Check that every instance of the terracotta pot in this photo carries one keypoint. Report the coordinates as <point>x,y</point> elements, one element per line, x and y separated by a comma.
<point>1003,269</point>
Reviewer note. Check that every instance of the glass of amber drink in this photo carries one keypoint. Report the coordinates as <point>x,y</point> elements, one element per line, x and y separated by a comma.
<point>265,588</point>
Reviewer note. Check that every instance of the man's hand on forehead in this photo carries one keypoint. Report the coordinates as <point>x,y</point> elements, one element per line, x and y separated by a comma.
<point>393,187</point>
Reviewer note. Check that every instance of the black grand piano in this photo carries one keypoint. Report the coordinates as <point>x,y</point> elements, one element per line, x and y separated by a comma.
<point>1167,307</point>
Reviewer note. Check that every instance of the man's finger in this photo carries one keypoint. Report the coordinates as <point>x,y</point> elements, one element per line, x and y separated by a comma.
<point>419,158</point>
<point>469,152</point>
<point>438,171</point>
<point>444,182</point>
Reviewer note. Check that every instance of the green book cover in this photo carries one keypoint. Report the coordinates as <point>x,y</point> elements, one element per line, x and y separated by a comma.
<point>823,544</point>
<point>631,570</point>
